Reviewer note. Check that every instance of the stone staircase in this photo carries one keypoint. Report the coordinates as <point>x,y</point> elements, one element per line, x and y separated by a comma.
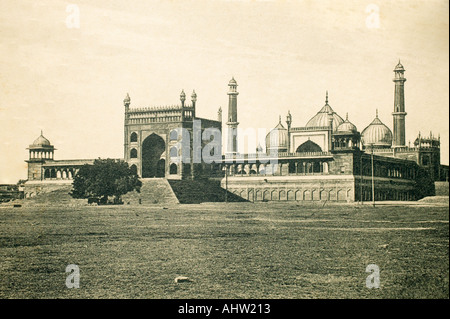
<point>154,191</point>
<point>200,191</point>
<point>442,188</point>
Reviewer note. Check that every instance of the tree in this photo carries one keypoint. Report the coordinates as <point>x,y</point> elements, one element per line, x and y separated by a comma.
<point>106,177</point>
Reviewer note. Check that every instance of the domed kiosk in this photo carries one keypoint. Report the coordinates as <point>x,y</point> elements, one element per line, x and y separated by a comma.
<point>346,136</point>
<point>41,149</point>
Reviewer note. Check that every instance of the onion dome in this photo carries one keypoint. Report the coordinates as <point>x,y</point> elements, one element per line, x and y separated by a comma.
<point>347,126</point>
<point>321,119</point>
<point>277,139</point>
<point>377,134</point>
<point>41,141</point>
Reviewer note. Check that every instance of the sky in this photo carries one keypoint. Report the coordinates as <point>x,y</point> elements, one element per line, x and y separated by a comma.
<point>70,81</point>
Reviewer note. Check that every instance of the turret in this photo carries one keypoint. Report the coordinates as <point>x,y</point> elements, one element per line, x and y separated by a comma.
<point>193,100</point>
<point>182,97</point>
<point>126,102</point>
<point>219,114</point>
<point>289,122</point>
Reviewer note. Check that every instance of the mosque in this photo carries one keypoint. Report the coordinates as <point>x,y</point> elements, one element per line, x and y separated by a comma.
<point>327,159</point>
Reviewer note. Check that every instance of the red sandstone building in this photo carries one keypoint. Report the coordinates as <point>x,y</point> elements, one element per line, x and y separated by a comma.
<point>327,159</point>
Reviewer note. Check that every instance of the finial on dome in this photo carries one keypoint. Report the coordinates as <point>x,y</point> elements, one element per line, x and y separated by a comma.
<point>377,113</point>
<point>399,66</point>
<point>42,134</point>
<point>326,98</point>
<point>346,116</point>
<point>279,118</point>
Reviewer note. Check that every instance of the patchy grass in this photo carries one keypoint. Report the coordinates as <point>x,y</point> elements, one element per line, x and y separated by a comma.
<point>234,250</point>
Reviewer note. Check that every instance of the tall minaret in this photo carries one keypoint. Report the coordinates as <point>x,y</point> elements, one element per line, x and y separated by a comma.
<point>126,103</point>
<point>399,107</point>
<point>232,117</point>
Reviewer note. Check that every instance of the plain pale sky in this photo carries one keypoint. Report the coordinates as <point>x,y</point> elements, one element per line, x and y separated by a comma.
<point>70,82</point>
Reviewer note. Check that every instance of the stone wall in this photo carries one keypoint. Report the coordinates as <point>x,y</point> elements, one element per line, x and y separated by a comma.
<point>293,188</point>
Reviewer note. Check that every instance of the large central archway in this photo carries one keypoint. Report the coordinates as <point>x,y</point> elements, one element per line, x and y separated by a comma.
<point>308,146</point>
<point>152,149</point>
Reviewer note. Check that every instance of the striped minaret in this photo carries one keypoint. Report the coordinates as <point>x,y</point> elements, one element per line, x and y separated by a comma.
<point>232,117</point>
<point>399,107</point>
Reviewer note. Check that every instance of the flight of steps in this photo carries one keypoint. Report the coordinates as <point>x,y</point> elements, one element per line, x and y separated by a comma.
<point>200,191</point>
<point>154,191</point>
<point>442,188</point>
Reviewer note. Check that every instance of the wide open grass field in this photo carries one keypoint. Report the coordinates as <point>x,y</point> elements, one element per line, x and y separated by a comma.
<point>240,250</point>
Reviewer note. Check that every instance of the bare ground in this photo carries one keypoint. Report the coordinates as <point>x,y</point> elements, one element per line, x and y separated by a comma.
<point>240,250</point>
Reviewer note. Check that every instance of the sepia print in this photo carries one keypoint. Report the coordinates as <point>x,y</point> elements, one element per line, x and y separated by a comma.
<point>227,150</point>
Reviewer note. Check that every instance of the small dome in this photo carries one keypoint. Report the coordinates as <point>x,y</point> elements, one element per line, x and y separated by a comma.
<point>347,127</point>
<point>377,134</point>
<point>41,141</point>
<point>399,67</point>
<point>277,139</point>
<point>232,82</point>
